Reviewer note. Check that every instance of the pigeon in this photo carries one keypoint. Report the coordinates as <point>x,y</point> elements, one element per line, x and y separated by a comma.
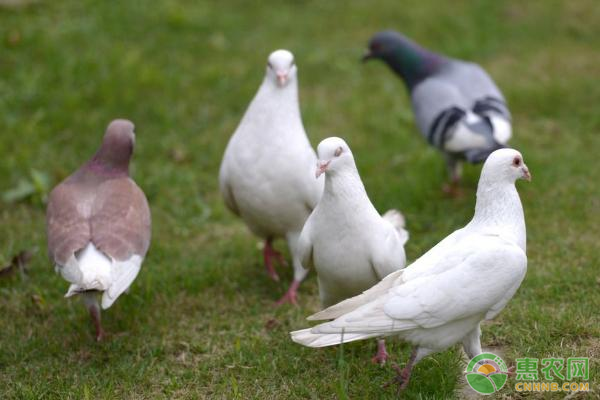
<point>458,107</point>
<point>441,298</point>
<point>267,173</point>
<point>345,240</point>
<point>98,224</point>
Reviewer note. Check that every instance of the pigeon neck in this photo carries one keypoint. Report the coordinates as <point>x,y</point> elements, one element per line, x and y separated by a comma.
<point>413,63</point>
<point>276,106</point>
<point>107,167</point>
<point>498,210</point>
<point>271,90</point>
<point>347,185</point>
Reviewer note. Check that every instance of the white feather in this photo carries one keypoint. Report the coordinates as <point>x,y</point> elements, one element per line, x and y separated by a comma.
<point>443,296</point>
<point>350,245</point>
<point>92,270</point>
<point>267,175</point>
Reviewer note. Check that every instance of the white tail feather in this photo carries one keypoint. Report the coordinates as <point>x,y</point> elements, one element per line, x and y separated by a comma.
<point>123,275</point>
<point>396,218</point>
<point>306,338</point>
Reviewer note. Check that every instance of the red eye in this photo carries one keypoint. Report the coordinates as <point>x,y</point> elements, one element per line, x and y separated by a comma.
<point>517,161</point>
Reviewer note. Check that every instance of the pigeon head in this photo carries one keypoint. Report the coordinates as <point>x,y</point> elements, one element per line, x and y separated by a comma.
<point>505,165</point>
<point>334,155</point>
<point>117,146</point>
<point>409,60</point>
<point>281,67</point>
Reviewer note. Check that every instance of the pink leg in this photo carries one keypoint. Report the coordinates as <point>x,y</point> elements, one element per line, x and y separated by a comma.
<point>403,375</point>
<point>270,254</point>
<point>452,188</point>
<point>382,355</point>
<point>95,314</point>
<point>291,296</point>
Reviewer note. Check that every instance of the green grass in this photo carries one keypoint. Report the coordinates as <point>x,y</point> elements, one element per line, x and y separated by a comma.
<point>198,322</point>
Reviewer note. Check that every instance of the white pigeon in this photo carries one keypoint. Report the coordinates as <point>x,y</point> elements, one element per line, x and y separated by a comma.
<point>345,240</point>
<point>442,297</point>
<point>267,173</point>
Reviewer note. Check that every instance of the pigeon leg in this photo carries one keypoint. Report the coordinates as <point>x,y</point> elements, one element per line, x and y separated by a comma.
<point>270,254</point>
<point>291,296</point>
<point>91,302</point>
<point>452,188</point>
<point>95,313</point>
<point>382,355</point>
<point>403,375</point>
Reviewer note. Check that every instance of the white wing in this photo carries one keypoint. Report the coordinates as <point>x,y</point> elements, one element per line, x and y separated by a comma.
<point>225,187</point>
<point>387,251</point>
<point>305,246</point>
<point>434,261</point>
<point>483,282</point>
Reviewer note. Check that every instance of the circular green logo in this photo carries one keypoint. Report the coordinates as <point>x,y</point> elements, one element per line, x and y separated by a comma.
<point>486,373</point>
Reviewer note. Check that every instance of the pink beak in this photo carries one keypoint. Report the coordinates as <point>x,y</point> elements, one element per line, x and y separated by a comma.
<point>282,78</point>
<point>321,168</point>
<point>526,174</point>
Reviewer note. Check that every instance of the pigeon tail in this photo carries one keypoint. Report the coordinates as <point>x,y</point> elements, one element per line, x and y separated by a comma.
<point>306,338</point>
<point>396,218</point>
<point>477,156</point>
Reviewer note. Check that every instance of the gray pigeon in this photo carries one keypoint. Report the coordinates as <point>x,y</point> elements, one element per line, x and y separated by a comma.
<point>458,107</point>
<point>98,224</point>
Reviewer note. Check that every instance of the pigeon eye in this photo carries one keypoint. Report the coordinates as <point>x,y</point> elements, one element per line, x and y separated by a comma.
<point>269,64</point>
<point>338,151</point>
<point>517,162</point>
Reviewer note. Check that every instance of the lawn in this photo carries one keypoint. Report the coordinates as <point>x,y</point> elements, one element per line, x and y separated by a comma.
<point>199,322</point>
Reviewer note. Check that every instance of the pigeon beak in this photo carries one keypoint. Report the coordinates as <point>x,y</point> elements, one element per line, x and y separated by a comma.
<point>367,56</point>
<point>282,78</point>
<point>526,174</point>
<point>321,168</point>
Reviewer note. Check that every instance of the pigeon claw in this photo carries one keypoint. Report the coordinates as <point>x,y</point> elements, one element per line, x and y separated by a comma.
<point>452,190</point>
<point>100,335</point>
<point>382,355</point>
<point>291,296</point>
<point>401,379</point>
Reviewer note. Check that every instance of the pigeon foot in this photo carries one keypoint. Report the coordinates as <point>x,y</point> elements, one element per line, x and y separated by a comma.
<point>291,296</point>
<point>382,355</point>
<point>401,379</point>
<point>452,189</point>
<point>270,254</point>
<point>403,375</point>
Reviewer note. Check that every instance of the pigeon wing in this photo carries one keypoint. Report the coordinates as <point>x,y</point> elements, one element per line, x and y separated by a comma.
<point>482,282</point>
<point>225,188</point>
<point>120,222</point>
<point>67,227</point>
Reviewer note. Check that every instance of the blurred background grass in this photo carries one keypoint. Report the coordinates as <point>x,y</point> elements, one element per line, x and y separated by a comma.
<point>198,321</point>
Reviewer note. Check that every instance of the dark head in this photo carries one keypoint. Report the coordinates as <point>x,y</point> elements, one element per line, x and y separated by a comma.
<point>409,60</point>
<point>117,146</point>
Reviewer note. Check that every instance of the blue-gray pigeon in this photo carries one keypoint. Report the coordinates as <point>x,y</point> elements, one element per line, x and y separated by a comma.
<point>458,107</point>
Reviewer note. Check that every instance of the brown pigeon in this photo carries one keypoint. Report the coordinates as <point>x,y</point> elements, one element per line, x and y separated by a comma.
<point>98,224</point>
